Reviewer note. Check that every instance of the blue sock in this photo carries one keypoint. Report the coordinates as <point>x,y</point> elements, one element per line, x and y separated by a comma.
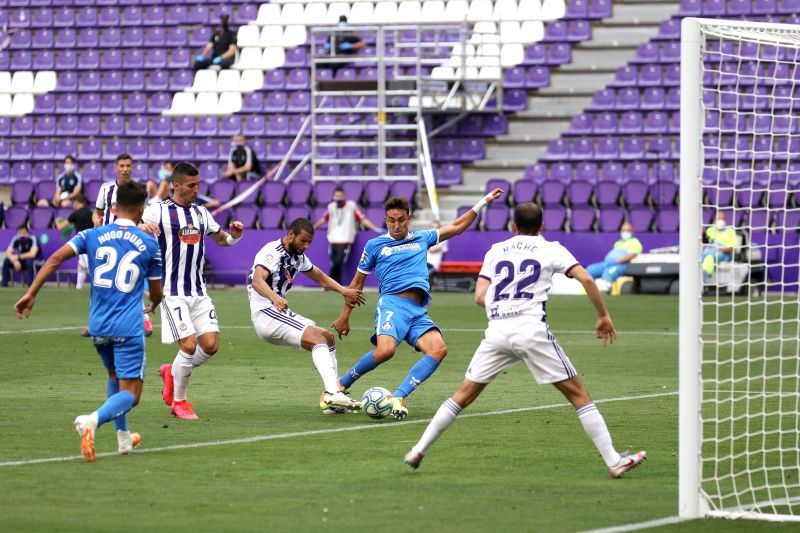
<point>115,406</point>
<point>365,364</point>
<point>112,387</point>
<point>422,370</point>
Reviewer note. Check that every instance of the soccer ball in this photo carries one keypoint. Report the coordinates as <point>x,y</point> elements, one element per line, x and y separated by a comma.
<point>376,403</point>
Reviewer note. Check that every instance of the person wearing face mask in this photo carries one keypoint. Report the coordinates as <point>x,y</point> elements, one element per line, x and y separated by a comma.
<point>615,263</point>
<point>344,43</point>
<point>164,174</point>
<point>220,51</point>
<point>722,240</point>
<point>342,216</point>
<point>243,164</point>
<point>69,185</point>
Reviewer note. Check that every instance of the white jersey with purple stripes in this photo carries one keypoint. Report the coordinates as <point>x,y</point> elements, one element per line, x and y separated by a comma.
<point>282,267</point>
<point>182,245</point>
<point>520,270</point>
<point>107,201</point>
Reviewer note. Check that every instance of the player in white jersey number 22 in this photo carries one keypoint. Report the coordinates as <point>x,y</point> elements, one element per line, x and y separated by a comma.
<point>513,285</point>
<point>187,313</point>
<point>268,283</point>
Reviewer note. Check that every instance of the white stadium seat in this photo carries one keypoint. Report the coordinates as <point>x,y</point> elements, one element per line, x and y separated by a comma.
<point>5,104</point>
<point>273,57</point>
<point>532,31</point>
<point>336,10</point>
<point>182,104</point>
<point>249,58</point>
<point>5,84</point>
<point>22,105</point>
<point>409,11</point>
<point>362,13</point>
<point>443,73</point>
<point>316,13</point>
<point>456,11</point>
<point>247,36</point>
<point>294,35</point>
<point>204,80</point>
<point>22,82</point>
<point>490,73</point>
<point>268,14</point>
<point>206,104</point>
<point>271,35</point>
<point>510,32</point>
<point>229,103</point>
<point>512,55</point>
<point>252,80</point>
<point>45,82</point>
<point>529,10</point>
<point>480,10</point>
<point>553,9</point>
<point>228,80</point>
<point>292,14</point>
<point>385,12</point>
<point>433,11</point>
<point>505,10</point>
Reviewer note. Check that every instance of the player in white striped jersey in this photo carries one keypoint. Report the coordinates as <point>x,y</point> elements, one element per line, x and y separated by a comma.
<point>187,313</point>
<point>268,283</point>
<point>513,285</point>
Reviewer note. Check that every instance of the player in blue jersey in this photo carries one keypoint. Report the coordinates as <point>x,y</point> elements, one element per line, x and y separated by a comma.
<point>398,260</point>
<point>121,256</point>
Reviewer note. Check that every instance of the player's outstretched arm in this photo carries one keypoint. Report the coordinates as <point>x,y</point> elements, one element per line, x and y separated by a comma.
<point>460,225</point>
<point>156,294</point>
<point>604,329</point>
<point>481,287</point>
<point>261,287</point>
<point>352,297</point>
<point>223,238</point>
<point>25,304</point>
<point>342,324</point>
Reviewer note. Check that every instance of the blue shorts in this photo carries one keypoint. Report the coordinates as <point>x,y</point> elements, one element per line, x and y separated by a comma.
<point>402,319</point>
<point>124,355</point>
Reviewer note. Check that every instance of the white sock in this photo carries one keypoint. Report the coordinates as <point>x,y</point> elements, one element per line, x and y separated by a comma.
<point>93,420</point>
<point>123,437</point>
<point>322,360</point>
<point>200,357</point>
<point>80,278</point>
<point>181,370</point>
<point>442,420</point>
<point>594,426</point>
<point>334,361</point>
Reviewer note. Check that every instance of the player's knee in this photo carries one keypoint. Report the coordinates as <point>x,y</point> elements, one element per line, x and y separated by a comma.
<point>188,346</point>
<point>210,348</point>
<point>328,338</point>
<point>381,355</point>
<point>438,352</point>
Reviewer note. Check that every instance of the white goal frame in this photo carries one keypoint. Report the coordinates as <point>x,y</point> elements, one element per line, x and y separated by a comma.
<point>692,501</point>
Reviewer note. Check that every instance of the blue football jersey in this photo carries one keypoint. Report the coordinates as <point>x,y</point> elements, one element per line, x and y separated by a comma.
<point>401,264</point>
<point>120,256</point>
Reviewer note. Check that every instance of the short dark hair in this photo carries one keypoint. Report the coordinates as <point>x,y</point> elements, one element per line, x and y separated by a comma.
<point>301,224</point>
<point>338,189</point>
<point>24,226</point>
<point>182,170</point>
<point>342,18</point>
<point>124,156</point>
<point>80,199</point>
<point>528,218</point>
<point>70,158</point>
<point>131,194</point>
<point>397,202</point>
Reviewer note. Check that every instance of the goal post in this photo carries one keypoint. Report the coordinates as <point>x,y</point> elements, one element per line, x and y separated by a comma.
<point>739,342</point>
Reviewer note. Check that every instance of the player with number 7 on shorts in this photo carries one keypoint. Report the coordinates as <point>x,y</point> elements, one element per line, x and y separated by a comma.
<point>512,285</point>
<point>188,316</point>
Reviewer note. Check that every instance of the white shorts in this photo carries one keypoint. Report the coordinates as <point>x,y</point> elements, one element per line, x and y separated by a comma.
<point>182,316</point>
<point>510,341</point>
<point>282,328</point>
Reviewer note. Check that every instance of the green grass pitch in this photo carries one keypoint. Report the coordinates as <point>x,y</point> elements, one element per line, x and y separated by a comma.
<point>528,470</point>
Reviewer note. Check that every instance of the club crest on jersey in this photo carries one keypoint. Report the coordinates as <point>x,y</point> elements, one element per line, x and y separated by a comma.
<point>387,251</point>
<point>189,234</point>
<point>386,326</point>
<point>182,326</point>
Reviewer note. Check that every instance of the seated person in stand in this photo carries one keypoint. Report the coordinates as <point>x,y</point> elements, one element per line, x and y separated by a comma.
<point>616,261</point>
<point>722,240</point>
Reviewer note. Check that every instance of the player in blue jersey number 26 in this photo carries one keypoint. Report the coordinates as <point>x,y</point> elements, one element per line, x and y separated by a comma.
<point>120,256</point>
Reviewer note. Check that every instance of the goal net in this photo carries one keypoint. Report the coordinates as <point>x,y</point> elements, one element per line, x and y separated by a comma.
<point>739,335</point>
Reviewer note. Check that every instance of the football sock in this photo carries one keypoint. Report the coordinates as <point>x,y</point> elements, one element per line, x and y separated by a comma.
<point>442,420</point>
<point>115,406</point>
<point>594,426</point>
<point>334,361</point>
<point>112,387</point>
<point>365,364</point>
<point>181,370</point>
<point>322,361</point>
<point>422,370</point>
<point>199,357</point>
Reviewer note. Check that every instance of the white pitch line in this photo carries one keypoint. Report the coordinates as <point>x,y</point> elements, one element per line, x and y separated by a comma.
<point>277,436</point>
<point>639,525</point>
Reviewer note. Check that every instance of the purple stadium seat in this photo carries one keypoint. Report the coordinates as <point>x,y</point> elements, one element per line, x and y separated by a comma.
<point>275,102</point>
<point>329,170</point>
<point>406,189</point>
<point>111,103</point>
<point>43,150</point>
<point>241,188</point>
<point>22,150</point>
<point>155,59</point>
<point>270,217</point>
<point>636,172</point>
<point>353,189</point>
<point>553,218</point>
<point>605,123</point>
<point>274,80</point>
<point>654,122</point>
<point>43,60</point>
<point>222,190</point>
<point>524,191</point>
<point>182,126</point>
<point>21,192</point>
<point>114,147</point>
<point>134,81</point>
<point>376,192</point>
<point>293,212</point>
<point>632,148</point>
<point>668,220</point>
<point>577,31</point>
<point>653,98</point>
<point>89,125</point>
<point>641,218</point>
<point>41,217</point>
<point>5,150</point>
<point>555,32</point>
<point>5,173</point>
<point>154,16</point>
<point>113,125</point>
<point>298,193</point>
<point>581,124</point>
<point>603,100</point>
<point>626,76</point>
<point>535,54</point>
<point>63,17</point>
<point>448,174</point>
<point>299,102</point>
<point>183,149</point>
<point>86,17</point>
<point>690,8</point>
<point>496,218</point>
<point>536,172</point>
<point>664,193</point>
<point>21,171</point>
<point>552,192</point>
<point>514,77</point>
<point>582,219</point>
<point>537,77</point>
<point>607,193</point>
<point>627,98</point>
<point>323,191</point>
<point>581,149</point>
<point>607,148</point>
<point>208,149</point>
<point>635,193</point>
<point>610,219</point>
<point>177,37</point>
<point>579,193</point>
<point>599,9</point>
<point>631,123</point>
<point>180,80</point>
<point>15,216</point>
<point>22,127</point>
